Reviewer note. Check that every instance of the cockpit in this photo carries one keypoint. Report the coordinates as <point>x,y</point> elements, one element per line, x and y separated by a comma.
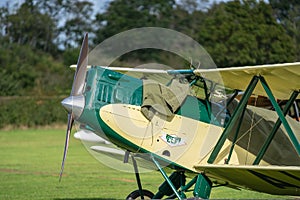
<point>185,96</point>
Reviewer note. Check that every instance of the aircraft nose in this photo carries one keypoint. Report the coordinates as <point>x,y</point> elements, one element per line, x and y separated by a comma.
<point>74,105</point>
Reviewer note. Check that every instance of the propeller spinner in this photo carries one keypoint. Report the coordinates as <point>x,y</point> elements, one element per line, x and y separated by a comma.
<point>74,104</point>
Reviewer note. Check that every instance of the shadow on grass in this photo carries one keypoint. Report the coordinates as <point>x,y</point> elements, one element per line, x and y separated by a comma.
<point>85,199</point>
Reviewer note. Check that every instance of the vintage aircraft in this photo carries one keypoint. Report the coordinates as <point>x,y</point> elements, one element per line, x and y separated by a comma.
<point>192,126</point>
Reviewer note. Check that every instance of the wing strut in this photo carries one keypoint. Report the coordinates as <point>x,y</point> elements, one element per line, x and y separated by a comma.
<point>280,114</point>
<point>236,134</point>
<point>233,119</point>
<point>278,123</point>
<point>241,107</point>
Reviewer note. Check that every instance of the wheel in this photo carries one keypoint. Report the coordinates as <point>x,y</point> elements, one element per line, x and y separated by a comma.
<point>136,195</point>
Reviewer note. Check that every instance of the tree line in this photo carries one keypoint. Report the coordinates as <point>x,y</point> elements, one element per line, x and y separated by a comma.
<point>40,39</point>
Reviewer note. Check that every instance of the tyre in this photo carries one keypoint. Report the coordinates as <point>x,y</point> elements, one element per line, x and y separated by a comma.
<point>136,195</point>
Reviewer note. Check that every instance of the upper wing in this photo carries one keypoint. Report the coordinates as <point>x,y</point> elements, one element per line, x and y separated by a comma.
<point>155,73</point>
<point>281,78</point>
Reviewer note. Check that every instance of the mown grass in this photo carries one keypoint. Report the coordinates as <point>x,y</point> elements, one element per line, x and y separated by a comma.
<point>30,165</point>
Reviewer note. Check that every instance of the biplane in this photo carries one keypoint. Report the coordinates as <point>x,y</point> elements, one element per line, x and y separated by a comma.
<point>192,124</point>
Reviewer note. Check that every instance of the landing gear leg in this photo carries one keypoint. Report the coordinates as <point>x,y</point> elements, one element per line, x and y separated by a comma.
<point>137,176</point>
<point>180,195</point>
<point>140,193</point>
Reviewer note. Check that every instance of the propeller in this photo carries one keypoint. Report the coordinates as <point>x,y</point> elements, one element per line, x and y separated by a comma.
<point>74,104</point>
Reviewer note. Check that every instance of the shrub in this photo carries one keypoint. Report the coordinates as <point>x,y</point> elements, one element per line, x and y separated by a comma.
<point>31,111</point>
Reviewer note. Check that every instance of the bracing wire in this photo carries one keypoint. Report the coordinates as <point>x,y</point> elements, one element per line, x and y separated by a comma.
<point>250,131</point>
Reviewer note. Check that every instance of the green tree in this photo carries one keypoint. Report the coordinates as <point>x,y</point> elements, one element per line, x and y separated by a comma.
<point>28,26</point>
<point>79,21</point>
<point>17,76</point>
<point>287,13</point>
<point>238,33</point>
<point>123,15</point>
<point>3,21</point>
<point>25,71</point>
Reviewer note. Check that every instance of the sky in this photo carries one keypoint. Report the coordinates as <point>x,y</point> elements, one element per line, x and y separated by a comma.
<point>97,4</point>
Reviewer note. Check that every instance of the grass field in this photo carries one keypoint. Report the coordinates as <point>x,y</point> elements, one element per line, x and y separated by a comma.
<point>30,164</point>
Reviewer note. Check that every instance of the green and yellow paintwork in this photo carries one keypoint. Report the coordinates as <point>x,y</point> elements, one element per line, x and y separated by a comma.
<point>113,111</point>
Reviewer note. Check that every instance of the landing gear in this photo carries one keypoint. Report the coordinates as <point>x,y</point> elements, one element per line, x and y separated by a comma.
<point>140,193</point>
<point>174,185</point>
<point>136,195</point>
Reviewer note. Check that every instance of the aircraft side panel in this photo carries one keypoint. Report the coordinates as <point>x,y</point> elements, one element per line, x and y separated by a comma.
<point>182,140</point>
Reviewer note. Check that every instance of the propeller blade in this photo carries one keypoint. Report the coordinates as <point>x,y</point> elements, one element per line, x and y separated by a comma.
<point>76,93</point>
<point>70,124</point>
<point>80,73</point>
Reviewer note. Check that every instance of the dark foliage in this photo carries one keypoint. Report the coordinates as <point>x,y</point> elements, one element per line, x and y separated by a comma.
<point>40,39</point>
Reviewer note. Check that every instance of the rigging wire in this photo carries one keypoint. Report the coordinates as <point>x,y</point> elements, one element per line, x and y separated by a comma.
<point>250,131</point>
